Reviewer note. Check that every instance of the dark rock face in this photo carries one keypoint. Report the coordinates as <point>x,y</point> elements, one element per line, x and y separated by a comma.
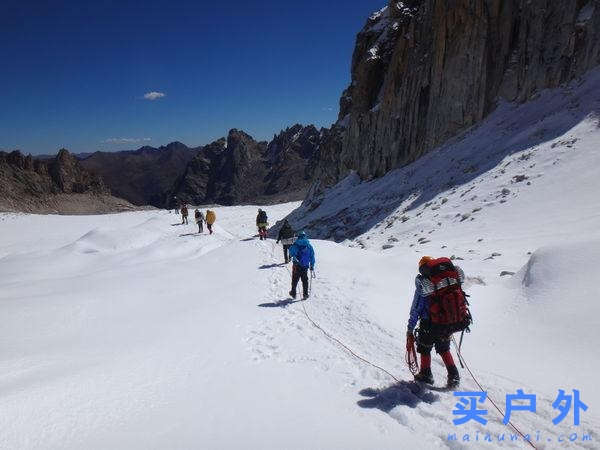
<point>425,70</point>
<point>237,169</point>
<point>144,176</point>
<point>240,170</point>
<point>69,176</point>
<point>28,184</point>
<point>290,155</point>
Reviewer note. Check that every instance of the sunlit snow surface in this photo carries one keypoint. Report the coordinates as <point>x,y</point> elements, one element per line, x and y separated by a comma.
<point>131,331</point>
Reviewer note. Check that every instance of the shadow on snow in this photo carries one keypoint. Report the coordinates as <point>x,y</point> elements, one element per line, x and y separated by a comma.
<point>404,393</point>
<point>271,266</point>
<point>279,304</point>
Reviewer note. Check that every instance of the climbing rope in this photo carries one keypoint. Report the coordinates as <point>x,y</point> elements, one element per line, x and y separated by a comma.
<point>366,361</point>
<point>336,340</point>
<point>410,358</point>
<point>348,349</point>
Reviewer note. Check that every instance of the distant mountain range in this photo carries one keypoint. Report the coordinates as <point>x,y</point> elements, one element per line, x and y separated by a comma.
<point>241,170</point>
<point>232,170</point>
<point>144,176</point>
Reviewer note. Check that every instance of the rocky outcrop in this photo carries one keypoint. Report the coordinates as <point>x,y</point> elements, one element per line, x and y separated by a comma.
<point>231,170</point>
<point>241,170</point>
<point>423,71</point>
<point>57,185</point>
<point>70,177</point>
<point>144,176</point>
<point>290,156</point>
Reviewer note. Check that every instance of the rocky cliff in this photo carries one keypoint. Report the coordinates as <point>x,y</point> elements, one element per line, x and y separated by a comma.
<point>291,159</point>
<point>425,70</point>
<point>60,184</point>
<point>240,170</point>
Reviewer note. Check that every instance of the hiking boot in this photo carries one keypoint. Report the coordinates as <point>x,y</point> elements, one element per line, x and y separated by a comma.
<point>292,294</point>
<point>453,377</point>
<point>424,376</point>
<point>305,297</point>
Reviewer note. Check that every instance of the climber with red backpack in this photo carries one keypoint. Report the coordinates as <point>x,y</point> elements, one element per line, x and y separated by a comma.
<point>441,308</point>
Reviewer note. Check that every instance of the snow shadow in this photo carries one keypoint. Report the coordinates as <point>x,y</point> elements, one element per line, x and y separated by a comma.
<point>190,234</point>
<point>354,206</point>
<point>176,224</point>
<point>271,266</point>
<point>404,393</point>
<point>279,304</point>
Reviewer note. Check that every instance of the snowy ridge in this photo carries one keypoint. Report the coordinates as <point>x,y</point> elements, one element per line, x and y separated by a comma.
<point>519,148</point>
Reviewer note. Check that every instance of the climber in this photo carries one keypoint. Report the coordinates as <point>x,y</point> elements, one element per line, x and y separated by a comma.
<point>262,224</point>
<point>199,219</point>
<point>184,214</point>
<point>210,220</point>
<point>440,307</point>
<point>303,258</point>
<point>286,236</point>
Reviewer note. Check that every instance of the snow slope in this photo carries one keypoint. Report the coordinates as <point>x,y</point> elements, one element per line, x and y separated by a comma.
<point>118,335</point>
<point>123,331</point>
<point>131,331</point>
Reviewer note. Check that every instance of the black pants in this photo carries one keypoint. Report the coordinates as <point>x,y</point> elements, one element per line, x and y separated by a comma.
<point>184,220</point>
<point>286,256</point>
<point>200,229</point>
<point>209,226</point>
<point>427,339</point>
<point>300,273</point>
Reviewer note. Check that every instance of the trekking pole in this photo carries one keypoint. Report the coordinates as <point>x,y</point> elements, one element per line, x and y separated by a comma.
<point>458,349</point>
<point>458,352</point>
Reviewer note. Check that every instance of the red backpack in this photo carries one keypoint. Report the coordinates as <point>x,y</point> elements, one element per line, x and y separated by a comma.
<point>448,306</point>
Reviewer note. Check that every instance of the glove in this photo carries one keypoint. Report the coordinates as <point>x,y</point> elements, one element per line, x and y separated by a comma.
<point>410,340</point>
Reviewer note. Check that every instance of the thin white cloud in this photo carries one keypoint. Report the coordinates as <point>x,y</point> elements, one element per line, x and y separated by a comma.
<point>153,95</point>
<point>125,140</point>
<point>327,108</point>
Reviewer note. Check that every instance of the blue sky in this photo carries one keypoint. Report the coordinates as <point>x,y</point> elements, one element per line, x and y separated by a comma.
<point>74,74</point>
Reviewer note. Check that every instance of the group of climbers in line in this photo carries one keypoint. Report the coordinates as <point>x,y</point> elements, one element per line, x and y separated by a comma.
<point>439,307</point>
<point>298,250</point>
<point>199,217</point>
